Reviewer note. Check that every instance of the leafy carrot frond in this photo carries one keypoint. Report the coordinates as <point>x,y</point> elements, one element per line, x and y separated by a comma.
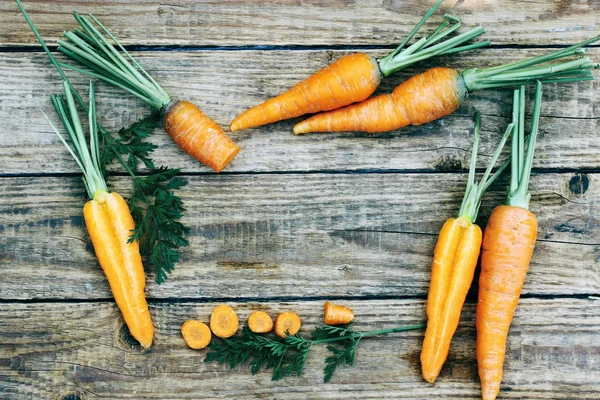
<point>426,47</point>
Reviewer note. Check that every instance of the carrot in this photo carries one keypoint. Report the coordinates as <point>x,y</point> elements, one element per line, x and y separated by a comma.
<point>440,91</point>
<point>454,262</point>
<point>260,322</point>
<point>196,334</point>
<point>287,323</point>
<point>355,77</point>
<point>224,321</point>
<point>508,243</point>
<point>192,130</point>
<point>108,220</point>
<point>336,314</point>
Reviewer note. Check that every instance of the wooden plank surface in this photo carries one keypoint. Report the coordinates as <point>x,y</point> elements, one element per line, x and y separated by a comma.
<point>253,235</point>
<point>50,351</point>
<point>223,83</point>
<point>290,22</point>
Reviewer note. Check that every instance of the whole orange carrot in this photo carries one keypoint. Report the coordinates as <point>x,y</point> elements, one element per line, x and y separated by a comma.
<point>508,243</point>
<point>355,77</point>
<point>440,91</point>
<point>454,261</point>
<point>108,221</point>
<point>192,130</point>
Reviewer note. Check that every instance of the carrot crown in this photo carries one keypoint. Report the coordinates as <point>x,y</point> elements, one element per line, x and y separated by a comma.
<point>529,71</point>
<point>426,47</point>
<point>521,161</point>
<point>474,192</point>
<point>92,48</point>
<point>87,158</point>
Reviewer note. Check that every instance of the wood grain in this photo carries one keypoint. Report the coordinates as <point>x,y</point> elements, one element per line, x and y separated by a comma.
<point>223,83</point>
<point>292,22</point>
<point>49,351</point>
<point>275,236</point>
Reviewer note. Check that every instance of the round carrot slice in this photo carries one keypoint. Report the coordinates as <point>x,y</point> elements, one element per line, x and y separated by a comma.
<point>287,322</point>
<point>260,322</point>
<point>196,334</point>
<point>224,322</point>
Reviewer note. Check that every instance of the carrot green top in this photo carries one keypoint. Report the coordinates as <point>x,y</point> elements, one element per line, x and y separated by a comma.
<point>426,47</point>
<point>474,191</point>
<point>533,69</point>
<point>87,158</point>
<point>518,194</point>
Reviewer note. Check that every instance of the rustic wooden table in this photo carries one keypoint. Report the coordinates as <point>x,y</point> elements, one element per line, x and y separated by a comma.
<point>293,221</point>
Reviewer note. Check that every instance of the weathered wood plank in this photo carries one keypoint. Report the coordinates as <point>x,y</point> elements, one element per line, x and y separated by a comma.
<point>223,83</point>
<point>345,22</point>
<point>51,350</point>
<point>252,235</point>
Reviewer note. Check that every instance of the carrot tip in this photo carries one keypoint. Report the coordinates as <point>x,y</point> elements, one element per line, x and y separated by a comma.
<point>301,128</point>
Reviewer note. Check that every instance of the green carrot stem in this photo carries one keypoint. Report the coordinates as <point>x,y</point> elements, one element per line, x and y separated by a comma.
<point>425,47</point>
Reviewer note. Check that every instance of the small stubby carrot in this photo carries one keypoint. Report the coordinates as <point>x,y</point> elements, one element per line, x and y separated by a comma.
<point>356,76</point>
<point>335,314</point>
<point>108,220</point>
<point>260,322</point>
<point>96,48</point>
<point>287,322</point>
<point>196,334</point>
<point>224,322</point>
<point>440,91</point>
<point>508,243</point>
<point>454,262</point>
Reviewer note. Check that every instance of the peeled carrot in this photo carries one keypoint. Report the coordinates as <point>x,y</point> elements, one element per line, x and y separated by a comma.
<point>336,314</point>
<point>440,91</point>
<point>108,220</point>
<point>260,322</point>
<point>196,334</point>
<point>355,77</point>
<point>508,243</point>
<point>224,321</point>
<point>454,262</point>
<point>287,322</point>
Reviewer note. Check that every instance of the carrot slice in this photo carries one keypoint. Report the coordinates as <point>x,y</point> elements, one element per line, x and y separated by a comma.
<point>224,322</point>
<point>287,322</point>
<point>196,334</point>
<point>260,322</point>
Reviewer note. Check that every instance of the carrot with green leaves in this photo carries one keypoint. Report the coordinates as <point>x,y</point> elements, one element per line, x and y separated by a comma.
<point>96,48</point>
<point>108,219</point>
<point>454,262</point>
<point>355,77</point>
<point>508,243</point>
<point>438,92</point>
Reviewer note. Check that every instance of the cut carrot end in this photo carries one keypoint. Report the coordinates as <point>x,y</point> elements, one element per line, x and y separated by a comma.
<point>337,315</point>
<point>199,136</point>
<point>196,334</point>
<point>260,322</point>
<point>287,322</point>
<point>224,322</point>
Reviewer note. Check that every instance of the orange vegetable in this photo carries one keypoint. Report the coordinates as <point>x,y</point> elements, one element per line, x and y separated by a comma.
<point>107,219</point>
<point>287,322</point>
<point>196,334</point>
<point>198,135</point>
<point>224,321</point>
<point>454,262</point>
<point>337,315</point>
<point>508,243</point>
<point>440,91</point>
<point>355,77</point>
<point>260,322</point>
